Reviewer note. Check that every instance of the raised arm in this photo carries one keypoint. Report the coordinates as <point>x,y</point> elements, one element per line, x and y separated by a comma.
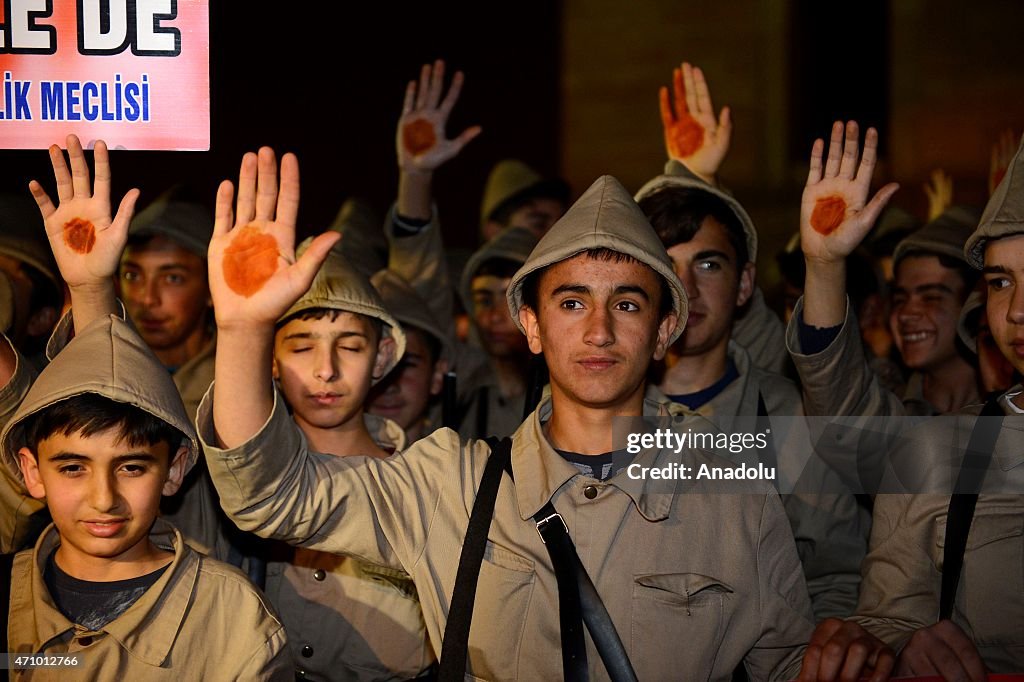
<point>692,134</point>
<point>835,216</point>
<point>86,241</point>
<point>939,190</point>
<point>254,279</point>
<point>421,140</point>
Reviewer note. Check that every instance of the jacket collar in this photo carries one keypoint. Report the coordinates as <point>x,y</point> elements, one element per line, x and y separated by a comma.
<point>540,471</point>
<point>147,630</point>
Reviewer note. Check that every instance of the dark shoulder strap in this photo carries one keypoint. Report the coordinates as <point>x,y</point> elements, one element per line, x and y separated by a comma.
<point>6,570</point>
<point>454,647</point>
<point>964,499</point>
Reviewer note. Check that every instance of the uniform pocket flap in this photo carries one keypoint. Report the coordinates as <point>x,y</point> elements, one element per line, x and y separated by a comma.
<point>682,584</point>
<point>985,528</point>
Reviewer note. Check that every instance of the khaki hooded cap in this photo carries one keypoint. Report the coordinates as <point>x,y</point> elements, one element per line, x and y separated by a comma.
<point>508,178</point>
<point>945,235</point>
<point>408,307</point>
<point>110,359</point>
<point>23,237</point>
<point>513,243</point>
<point>363,241</point>
<point>605,217</point>
<point>187,223</point>
<point>691,182</point>
<point>966,325</point>
<point>339,286</point>
<point>1004,213</point>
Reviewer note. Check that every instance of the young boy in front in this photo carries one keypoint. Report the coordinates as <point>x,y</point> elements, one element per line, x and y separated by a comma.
<point>101,435</point>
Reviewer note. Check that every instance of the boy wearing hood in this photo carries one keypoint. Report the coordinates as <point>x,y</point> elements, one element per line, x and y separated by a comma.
<point>345,617</point>
<point>598,296</point>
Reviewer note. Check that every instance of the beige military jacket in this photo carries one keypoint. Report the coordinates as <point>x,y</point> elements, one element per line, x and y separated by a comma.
<point>345,618</point>
<point>201,620</point>
<point>694,581</point>
<point>903,570</point>
<point>831,529</point>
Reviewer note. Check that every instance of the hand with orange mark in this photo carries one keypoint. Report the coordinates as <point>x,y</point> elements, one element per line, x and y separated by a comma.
<point>843,650</point>
<point>254,276</point>
<point>1002,153</point>
<point>86,242</point>
<point>939,190</point>
<point>421,139</point>
<point>692,135</point>
<point>835,215</point>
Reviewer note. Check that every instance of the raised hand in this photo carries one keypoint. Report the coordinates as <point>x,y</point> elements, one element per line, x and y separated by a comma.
<point>939,190</point>
<point>86,242</point>
<point>692,135</point>
<point>254,276</point>
<point>835,215</point>
<point>1002,153</point>
<point>421,140</point>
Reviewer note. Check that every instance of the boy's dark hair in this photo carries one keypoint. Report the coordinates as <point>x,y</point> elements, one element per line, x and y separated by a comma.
<point>90,413</point>
<point>432,342</point>
<point>531,282</point>
<point>677,213</point>
<point>968,275</point>
<point>333,313</point>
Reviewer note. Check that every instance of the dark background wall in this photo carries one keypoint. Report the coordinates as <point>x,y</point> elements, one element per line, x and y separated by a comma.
<point>328,85</point>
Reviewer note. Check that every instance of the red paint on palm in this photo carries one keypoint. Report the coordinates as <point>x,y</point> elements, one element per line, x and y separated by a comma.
<point>418,136</point>
<point>828,214</point>
<point>249,261</point>
<point>79,235</point>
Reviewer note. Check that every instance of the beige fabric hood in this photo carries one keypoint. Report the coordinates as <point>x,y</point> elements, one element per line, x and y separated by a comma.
<point>402,301</point>
<point>604,217</point>
<point>23,237</point>
<point>187,223</point>
<point>340,286</point>
<point>945,235</point>
<point>110,359</point>
<point>677,175</point>
<point>1004,213</point>
<point>513,243</point>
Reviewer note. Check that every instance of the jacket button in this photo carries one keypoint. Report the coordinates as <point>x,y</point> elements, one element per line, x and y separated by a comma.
<point>590,492</point>
<point>307,651</point>
<point>319,574</point>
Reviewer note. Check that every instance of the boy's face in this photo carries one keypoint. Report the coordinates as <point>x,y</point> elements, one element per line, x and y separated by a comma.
<point>715,285</point>
<point>103,493</point>
<point>1004,277</point>
<point>926,301</point>
<point>599,327</point>
<point>165,292</point>
<point>325,367</point>
<point>499,335</point>
<point>404,394</point>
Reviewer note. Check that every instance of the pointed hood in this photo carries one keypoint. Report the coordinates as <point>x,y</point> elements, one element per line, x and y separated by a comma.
<point>181,219</point>
<point>677,175</point>
<point>409,308</point>
<point>605,217</point>
<point>944,235</point>
<point>363,241</point>
<point>109,359</point>
<point>1004,213</point>
<point>23,236</point>
<point>340,286</point>
<point>512,244</point>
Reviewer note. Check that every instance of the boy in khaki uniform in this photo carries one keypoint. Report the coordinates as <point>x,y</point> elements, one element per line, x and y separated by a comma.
<point>713,246</point>
<point>600,301</point>
<point>904,571</point>
<point>101,434</point>
<point>346,618</point>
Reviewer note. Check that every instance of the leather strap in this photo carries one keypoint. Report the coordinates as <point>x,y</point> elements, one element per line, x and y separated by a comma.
<point>964,499</point>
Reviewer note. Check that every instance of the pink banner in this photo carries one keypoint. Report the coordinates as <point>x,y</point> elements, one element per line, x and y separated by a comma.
<point>135,73</point>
